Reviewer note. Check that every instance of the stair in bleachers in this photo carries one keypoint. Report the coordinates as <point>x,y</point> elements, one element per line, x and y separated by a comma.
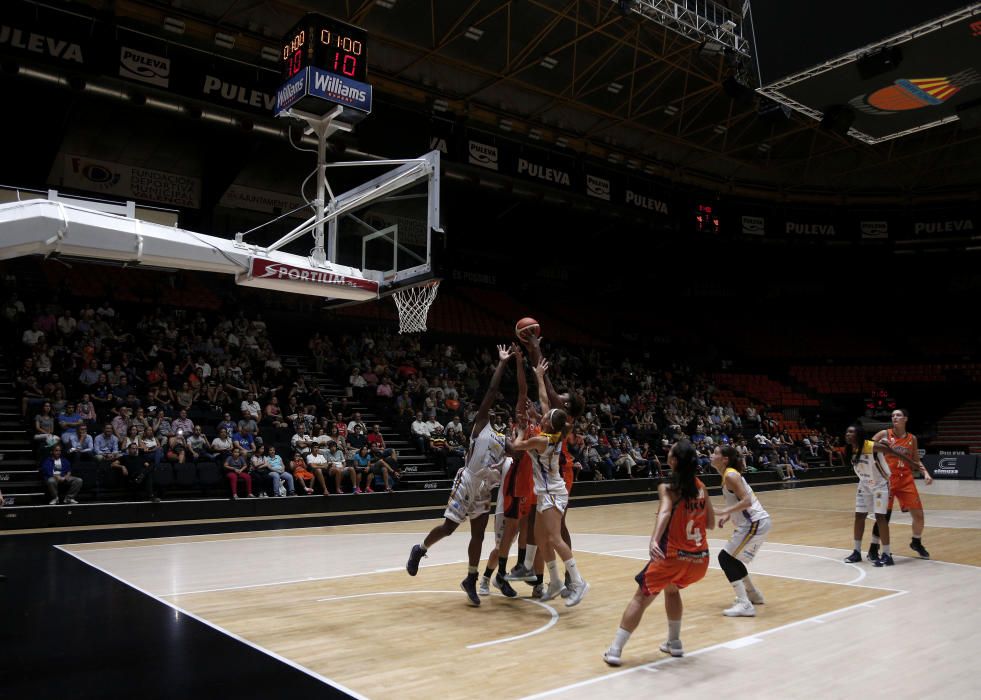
<point>20,480</point>
<point>418,470</point>
<point>961,426</point>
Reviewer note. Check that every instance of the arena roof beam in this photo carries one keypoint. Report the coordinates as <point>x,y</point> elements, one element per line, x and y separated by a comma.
<point>699,20</point>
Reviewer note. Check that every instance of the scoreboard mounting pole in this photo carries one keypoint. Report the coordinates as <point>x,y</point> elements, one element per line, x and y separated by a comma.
<point>324,66</point>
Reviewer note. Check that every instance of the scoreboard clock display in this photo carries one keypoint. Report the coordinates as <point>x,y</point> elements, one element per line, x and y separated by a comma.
<point>327,44</point>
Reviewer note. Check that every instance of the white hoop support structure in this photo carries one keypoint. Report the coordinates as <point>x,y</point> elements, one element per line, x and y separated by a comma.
<point>413,305</point>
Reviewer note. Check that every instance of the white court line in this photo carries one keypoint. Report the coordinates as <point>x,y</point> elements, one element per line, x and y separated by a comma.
<point>233,539</point>
<point>548,625</point>
<point>653,665</point>
<point>304,580</point>
<point>268,652</point>
<point>761,573</point>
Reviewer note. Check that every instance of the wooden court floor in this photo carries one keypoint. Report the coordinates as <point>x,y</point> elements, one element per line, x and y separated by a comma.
<point>336,603</point>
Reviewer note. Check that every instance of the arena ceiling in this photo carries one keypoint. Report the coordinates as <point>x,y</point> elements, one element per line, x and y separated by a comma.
<point>585,75</point>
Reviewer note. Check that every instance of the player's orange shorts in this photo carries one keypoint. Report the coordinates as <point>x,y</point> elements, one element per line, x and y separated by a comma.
<point>902,487</point>
<point>681,571</point>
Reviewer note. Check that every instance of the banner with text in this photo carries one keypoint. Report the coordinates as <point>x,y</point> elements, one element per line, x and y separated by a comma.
<point>130,182</point>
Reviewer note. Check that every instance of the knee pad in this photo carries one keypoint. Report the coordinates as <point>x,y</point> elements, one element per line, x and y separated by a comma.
<point>734,569</point>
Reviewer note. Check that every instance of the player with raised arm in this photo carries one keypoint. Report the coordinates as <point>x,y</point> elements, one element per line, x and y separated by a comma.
<point>573,404</point>
<point>470,495</point>
<point>873,489</point>
<point>679,552</point>
<point>901,483</point>
<point>752,524</point>
<point>553,497</point>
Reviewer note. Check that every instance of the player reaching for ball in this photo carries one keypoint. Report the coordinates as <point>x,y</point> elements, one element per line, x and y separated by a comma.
<point>679,552</point>
<point>901,484</point>
<point>550,489</point>
<point>470,495</point>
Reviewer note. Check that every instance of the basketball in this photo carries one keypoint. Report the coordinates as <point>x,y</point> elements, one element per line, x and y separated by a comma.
<point>525,326</point>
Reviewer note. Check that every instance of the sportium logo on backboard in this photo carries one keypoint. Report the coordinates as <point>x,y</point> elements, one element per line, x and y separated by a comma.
<point>483,155</point>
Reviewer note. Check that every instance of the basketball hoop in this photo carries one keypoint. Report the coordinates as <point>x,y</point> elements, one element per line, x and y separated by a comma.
<point>413,305</point>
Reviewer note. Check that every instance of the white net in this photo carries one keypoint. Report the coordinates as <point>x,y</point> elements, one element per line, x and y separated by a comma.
<point>413,305</point>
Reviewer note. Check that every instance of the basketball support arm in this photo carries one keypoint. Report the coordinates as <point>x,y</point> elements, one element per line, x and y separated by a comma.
<point>44,227</point>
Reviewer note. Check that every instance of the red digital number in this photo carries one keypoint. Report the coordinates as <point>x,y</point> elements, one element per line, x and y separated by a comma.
<point>295,64</point>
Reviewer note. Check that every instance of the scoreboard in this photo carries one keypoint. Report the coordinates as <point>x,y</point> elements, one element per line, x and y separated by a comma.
<point>323,64</point>
<point>327,44</point>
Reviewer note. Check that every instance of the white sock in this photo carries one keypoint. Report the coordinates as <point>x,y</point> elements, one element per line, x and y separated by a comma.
<point>573,570</point>
<point>750,586</point>
<point>674,630</point>
<point>887,549</point>
<point>620,640</point>
<point>875,539</point>
<point>858,546</point>
<point>530,550</point>
<point>553,571</point>
<point>740,588</point>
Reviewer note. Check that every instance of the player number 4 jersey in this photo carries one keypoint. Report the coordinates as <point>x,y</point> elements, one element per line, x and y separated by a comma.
<point>685,536</point>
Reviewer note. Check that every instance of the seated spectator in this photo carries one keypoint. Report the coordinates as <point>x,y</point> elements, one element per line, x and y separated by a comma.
<point>198,446</point>
<point>150,447</point>
<point>69,420</point>
<point>338,466</point>
<point>301,442</point>
<point>317,464</point>
<point>222,446</point>
<point>236,469</point>
<point>356,422</point>
<point>386,468</point>
<point>227,424</point>
<point>260,470</point>
<point>107,445</point>
<point>245,442</point>
<point>44,427</point>
<point>420,433</point>
<point>186,396</point>
<point>136,469</point>
<point>90,375</point>
<point>182,425</point>
<point>362,466</point>
<point>274,415</point>
<point>86,410</point>
<point>356,439</point>
<point>57,475</point>
<point>301,475</point>
<point>278,475</point>
<point>79,446</point>
<point>250,407</point>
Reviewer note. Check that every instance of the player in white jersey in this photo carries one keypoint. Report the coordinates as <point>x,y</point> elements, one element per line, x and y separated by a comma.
<point>873,490</point>
<point>752,525</point>
<point>499,534</point>
<point>553,497</point>
<point>470,495</point>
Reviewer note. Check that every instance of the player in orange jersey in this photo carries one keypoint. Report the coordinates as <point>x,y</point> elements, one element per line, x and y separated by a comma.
<point>679,552</point>
<point>901,483</point>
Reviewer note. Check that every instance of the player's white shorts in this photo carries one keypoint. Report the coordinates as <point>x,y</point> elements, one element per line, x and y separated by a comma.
<point>468,498</point>
<point>558,500</point>
<point>872,499</point>
<point>747,539</point>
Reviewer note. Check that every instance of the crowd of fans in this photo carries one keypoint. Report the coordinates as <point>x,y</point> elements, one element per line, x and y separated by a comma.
<point>110,398</point>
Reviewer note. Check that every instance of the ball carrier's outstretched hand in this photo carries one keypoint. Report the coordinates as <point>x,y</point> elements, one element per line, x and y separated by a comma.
<point>470,494</point>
